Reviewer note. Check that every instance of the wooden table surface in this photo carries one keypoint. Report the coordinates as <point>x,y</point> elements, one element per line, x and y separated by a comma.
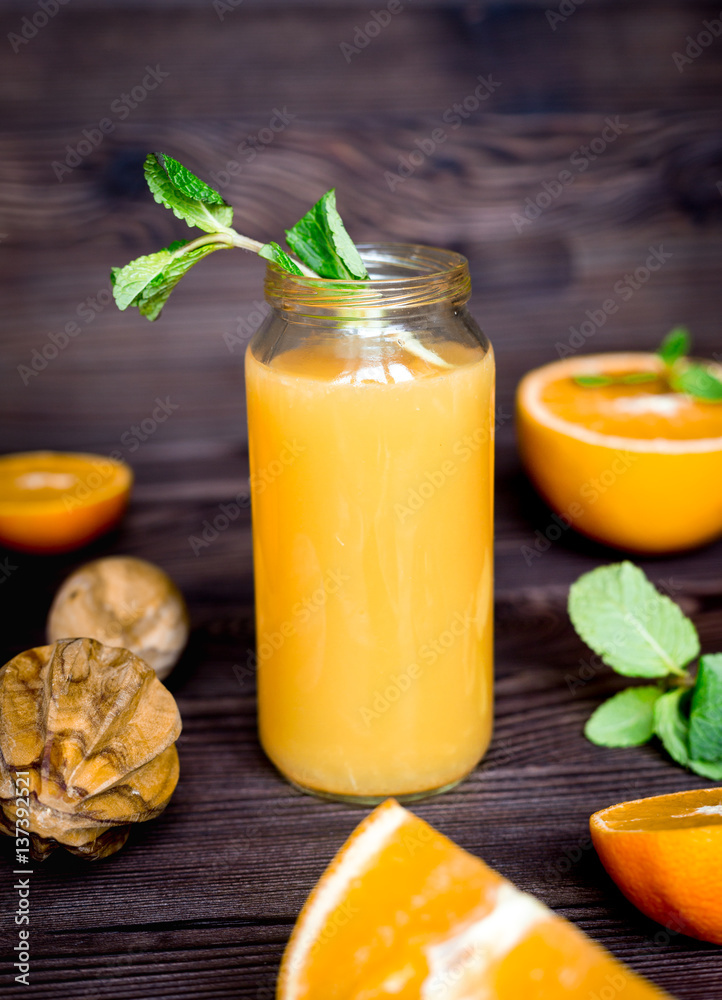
<point>199,904</point>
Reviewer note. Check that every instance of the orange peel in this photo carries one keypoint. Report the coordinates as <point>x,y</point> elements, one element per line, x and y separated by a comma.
<point>404,912</point>
<point>636,467</point>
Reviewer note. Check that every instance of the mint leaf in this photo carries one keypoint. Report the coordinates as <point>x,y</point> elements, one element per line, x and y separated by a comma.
<point>322,243</point>
<point>636,630</point>
<point>187,183</point>
<point>592,381</point>
<point>705,717</point>
<point>625,720</point>
<point>637,378</point>
<point>156,294</point>
<point>272,252</point>
<point>187,196</point>
<point>671,725</point>
<point>698,381</point>
<point>631,378</point>
<point>130,281</point>
<point>675,345</point>
<point>706,769</point>
<point>148,281</point>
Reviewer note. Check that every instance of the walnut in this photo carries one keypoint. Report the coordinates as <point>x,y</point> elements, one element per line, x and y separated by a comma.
<point>94,731</point>
<point>122,601</point>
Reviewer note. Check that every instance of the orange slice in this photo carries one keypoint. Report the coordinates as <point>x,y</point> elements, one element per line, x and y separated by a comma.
<point>404,913</point>
<point>665,854</point>
<point>53,502</point>
<point>634,466</point>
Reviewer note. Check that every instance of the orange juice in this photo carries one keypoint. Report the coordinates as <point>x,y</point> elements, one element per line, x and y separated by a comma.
<point>371,479</point>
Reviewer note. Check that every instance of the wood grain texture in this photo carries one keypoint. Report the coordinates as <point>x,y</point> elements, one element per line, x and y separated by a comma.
<point>533,281</point>
<point>201,902</point>
<point>426,58</point>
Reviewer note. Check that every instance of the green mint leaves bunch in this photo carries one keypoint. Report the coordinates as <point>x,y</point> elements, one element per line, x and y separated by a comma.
<point>680,374</point>
<point>319,244</point>
<point>639,632</point>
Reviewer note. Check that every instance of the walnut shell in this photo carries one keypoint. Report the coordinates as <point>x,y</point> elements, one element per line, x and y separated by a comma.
<point>95,730</point>
<point>127,602</point>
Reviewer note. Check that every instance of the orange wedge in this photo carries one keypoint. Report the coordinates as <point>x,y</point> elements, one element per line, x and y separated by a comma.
<point>53,502</point>
<point>404,913</point>
<point>665,854</point>
<point>634,466</point>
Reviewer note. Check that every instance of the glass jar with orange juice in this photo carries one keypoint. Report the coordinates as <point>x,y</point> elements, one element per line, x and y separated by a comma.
<point>370,410</point>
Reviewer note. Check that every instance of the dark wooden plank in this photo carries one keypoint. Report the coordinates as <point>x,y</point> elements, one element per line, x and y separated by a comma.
<point>475,8</point>
<point>654,188</point>
<point>243,849</point>
<point>425,59</point>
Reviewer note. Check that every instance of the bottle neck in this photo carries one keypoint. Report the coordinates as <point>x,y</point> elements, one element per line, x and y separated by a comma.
<point>407,281</point>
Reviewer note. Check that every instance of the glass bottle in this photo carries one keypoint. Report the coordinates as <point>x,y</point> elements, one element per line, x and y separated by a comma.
<point>371,424</point>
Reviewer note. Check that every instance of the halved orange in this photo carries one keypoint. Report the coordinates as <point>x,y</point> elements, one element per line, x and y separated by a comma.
<point>54,501</point>
<point>665,854</point>
<point>634,466</point>
<point>403,912</point>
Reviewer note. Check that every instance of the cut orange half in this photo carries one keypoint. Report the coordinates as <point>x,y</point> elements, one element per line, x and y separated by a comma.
<point>665,854</point>
<point>403,913</point>
<point>634,466</point>
<point>55,501</point>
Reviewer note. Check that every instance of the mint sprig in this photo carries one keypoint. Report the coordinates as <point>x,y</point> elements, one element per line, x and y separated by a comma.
<point>274,253</point>
<point>323,247</point>
<point>705,731</point>
<point>672,726</point>
<point>679,373</point>
<point>624,720</point>
<point>635,629</point>
<point>697,381</point>
<point>321,242</point>
<point>148,281</point>
<point>642,633</point>
<point>675,346</point>
<point>187,196</point>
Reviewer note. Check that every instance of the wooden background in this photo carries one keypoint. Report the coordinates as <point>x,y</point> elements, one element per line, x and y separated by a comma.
<point>201,902</point>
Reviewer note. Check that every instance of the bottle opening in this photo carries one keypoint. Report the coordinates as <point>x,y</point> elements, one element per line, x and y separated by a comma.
<point>403,277</point>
